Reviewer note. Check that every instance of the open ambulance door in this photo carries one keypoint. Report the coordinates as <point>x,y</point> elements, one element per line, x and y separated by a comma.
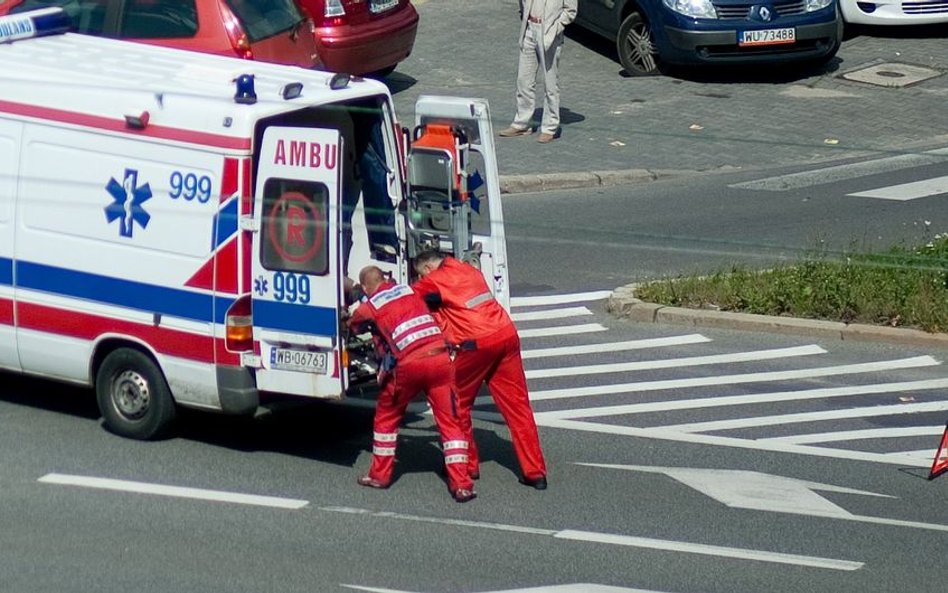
<point>479,183</point>
<point>297,276</point>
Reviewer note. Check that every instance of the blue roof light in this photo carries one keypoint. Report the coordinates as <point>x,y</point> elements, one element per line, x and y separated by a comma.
<point>35,23</point>
<point>245,91</point>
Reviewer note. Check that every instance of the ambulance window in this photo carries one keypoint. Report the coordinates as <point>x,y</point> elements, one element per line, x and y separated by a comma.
<point>295,223</point>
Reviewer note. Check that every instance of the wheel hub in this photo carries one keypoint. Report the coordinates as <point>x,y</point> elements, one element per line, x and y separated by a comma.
<point>131,395</point>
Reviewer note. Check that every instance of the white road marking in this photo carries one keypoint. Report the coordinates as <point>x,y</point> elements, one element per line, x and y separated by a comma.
<point>572,588</point>
<point>622,540</point>
<point>844,172</point>
<point>855,435</point>
<point>927,454</point>
<point>661,433</point>
<point>174,491</point>
<point>621,388</point>
<point>551,314</point>
<point>614,346</point>
<point>738,400</point>
<point>559,299</point>
<point>872,411</point>
<point>908,191</point>
<point>564,330</point>
<point>720,551</point>
<point>765,492</point>
<point>647,365</point>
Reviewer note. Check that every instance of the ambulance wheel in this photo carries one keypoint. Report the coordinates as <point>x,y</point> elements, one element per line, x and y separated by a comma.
<point>133,395</point>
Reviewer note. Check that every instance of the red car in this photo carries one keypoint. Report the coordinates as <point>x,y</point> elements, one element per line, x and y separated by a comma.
<point>363,36</point>
<point>266,30</point>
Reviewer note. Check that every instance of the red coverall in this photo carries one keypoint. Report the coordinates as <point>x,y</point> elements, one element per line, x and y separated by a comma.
<point>489,351</point>
<point>403,322</point>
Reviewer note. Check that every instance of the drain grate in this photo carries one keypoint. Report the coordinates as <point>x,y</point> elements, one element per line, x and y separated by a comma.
<point>891,74</point>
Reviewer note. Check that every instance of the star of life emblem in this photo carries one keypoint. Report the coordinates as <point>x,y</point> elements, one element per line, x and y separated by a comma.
<point>126,207</point>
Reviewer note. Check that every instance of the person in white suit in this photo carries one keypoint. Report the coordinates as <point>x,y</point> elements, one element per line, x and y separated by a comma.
<point>542,23</point>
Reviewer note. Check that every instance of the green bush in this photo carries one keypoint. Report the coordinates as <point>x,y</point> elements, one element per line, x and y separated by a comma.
<point>901,287</point>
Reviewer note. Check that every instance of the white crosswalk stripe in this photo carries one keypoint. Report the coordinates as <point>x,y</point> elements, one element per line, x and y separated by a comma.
<point>908,191</point>
<point>603,347</point>
<point>550,314</point>
<point>837,173</point>
<point>565,330</point>
<point>642,365</point>
<point>575,405</point>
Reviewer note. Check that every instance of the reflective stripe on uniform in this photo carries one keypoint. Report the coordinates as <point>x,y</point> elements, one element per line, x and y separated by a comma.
<point>415,336</point>
<point>481,298</point>
<point>454,445</point>
<point>383,451</point>
<point>411,324</point>
<point>460,458</point>
<point>385,437</point>
<point>385,297</point>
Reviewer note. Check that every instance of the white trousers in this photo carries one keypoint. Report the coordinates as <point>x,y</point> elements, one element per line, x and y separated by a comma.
<point>533,60</point>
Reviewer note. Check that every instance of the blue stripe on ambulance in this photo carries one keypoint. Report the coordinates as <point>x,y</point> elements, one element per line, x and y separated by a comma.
<point>6,271</point>
<point>160,299</point>
<point>225,223</point>
<point>300,319</point>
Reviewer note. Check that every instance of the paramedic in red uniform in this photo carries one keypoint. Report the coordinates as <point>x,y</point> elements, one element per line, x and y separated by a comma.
<point>488,349</point>
<point>416,360</point>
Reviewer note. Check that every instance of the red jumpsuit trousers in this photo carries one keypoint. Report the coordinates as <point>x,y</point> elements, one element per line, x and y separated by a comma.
<point>433,374</point>
<point>496,359</point>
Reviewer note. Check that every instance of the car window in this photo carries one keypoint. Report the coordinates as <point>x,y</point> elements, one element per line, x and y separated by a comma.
<point>158,19</point>
<point>88,16</point>
<point>262,19</point>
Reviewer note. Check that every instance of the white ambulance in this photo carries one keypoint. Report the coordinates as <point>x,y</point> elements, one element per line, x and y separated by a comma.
<point>177,228</point>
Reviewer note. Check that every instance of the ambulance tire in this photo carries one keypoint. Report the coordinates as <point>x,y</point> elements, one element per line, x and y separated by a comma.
<point>133,395</point>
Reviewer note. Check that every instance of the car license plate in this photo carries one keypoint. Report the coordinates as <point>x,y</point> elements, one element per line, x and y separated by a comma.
<point>377,6</point>
<point>306,361</point>
<point>767,36</point>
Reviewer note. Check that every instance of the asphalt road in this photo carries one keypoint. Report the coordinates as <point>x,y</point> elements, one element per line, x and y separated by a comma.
<point>707,223</point>
<point>651,521</point>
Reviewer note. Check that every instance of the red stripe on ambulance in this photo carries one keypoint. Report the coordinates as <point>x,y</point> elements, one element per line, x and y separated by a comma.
<point>229,178</point>
<point>118,125</point>
<point>6,312</point>
<point>85,326</point>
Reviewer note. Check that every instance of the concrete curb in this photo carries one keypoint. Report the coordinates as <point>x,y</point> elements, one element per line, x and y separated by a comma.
<point>519,184</point>
<point>622,303</point>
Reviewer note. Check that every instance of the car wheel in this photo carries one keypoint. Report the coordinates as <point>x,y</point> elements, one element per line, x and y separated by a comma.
<point>133,396</point>
<point>637,53</point>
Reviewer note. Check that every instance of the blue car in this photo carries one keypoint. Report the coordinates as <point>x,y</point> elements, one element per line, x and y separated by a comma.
<point>652,33</point>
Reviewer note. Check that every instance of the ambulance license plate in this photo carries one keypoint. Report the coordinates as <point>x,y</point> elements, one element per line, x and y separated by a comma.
<point>377,6</point>
<point>767,37</point>
<point>306,361</point>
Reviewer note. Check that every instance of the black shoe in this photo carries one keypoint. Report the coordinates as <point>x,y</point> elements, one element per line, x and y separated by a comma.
<point>464,495</point>
<point>538,483</point>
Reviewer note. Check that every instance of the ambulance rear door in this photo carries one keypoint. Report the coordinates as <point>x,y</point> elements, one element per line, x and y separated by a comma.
<point>487,217</point>
<point>296,270</point>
